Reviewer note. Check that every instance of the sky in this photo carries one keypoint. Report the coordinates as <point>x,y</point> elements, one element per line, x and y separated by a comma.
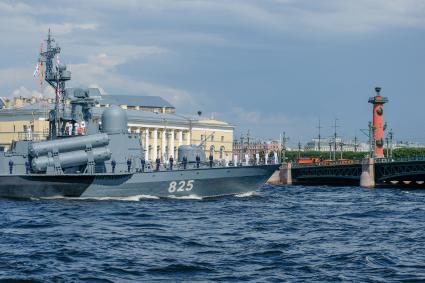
<point>267,66</point>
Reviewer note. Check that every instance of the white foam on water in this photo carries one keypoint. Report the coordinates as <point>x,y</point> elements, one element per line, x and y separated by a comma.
<point>247,194</point>
<point>129,198</point>
<point>47,198</point>
<point>190,197</point>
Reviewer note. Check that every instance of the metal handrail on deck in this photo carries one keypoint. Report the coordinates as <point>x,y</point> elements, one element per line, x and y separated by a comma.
<point>27,136</point>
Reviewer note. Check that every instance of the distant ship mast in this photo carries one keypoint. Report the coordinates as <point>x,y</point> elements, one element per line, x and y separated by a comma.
<point>56,75</point>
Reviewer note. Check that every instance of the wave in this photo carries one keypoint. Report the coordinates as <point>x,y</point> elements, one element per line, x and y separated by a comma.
<point>247,194</point>
<point>129,198</point>
<point>141,197</point>
<point>189,197</point>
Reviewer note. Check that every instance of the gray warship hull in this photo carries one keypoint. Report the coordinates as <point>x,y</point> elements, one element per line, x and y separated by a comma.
<point>203,182</point>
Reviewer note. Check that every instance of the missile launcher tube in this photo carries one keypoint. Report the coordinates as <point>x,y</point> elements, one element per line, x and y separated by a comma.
<point>71,159</point>
<point>68,144</point>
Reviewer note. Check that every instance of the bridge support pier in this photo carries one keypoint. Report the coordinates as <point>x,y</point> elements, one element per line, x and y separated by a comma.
<point>367,178</point>
<point>286,173</point>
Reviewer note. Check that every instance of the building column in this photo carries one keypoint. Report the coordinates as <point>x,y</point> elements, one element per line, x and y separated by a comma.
<point>171,151</point>
<point>139,131</point>
<point>147,144</point>
<point>188,138</point>
<point>163,146</point>
<point>180,137</point>
<point>155,144</point>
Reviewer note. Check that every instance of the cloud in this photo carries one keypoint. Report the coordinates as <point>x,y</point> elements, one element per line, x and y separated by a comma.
<point>362,16</point>
<point>206,22</point>
<point>197,54</point>
<point>101,70</point>
<point>263,124</point>
<point>64,28</point>
<point>289,16</point>
<point>24,92</point>
<point>14,75</point>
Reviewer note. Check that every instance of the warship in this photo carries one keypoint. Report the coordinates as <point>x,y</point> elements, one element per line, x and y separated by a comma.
<point>106,160</point>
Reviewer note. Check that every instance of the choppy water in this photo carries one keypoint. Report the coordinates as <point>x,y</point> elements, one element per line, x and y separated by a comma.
<point>282,234</point>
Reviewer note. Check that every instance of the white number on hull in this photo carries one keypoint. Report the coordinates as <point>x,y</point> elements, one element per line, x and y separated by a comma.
<point>181,186</point>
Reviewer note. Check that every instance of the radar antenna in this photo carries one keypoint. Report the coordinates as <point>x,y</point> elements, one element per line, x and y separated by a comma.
<point>56,75</point>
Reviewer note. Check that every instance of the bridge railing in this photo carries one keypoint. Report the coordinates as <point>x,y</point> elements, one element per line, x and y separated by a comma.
<point>359,161</point>
<point>401,159</point>
<point>328,163</point>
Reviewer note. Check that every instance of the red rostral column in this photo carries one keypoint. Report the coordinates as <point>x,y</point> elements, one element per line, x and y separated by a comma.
<point>378,121</point>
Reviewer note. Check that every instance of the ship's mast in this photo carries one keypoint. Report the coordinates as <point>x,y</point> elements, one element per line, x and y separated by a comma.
<point>56,75</point>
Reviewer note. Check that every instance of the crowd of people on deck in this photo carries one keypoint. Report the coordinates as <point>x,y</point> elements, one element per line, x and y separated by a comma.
<point>170,166</point>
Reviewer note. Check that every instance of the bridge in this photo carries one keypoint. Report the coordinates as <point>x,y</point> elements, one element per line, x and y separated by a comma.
<point>369,172</point>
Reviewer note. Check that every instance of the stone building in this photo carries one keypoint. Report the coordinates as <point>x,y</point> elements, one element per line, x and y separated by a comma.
<point>154,104</point>
<point>328,144</point>
<point>242,149</point>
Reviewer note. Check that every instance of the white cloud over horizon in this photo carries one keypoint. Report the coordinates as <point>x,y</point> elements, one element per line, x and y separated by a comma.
<point>222,56</point>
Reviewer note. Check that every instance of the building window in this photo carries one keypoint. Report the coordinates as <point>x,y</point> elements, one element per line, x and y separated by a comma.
<point>212,137</point>
<point>212,149</point>
<point>222,138</point>
<point>202,138</point>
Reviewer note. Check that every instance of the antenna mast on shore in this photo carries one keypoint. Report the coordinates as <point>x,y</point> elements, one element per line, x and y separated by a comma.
<point>335,126</point>
<point>319,127</point>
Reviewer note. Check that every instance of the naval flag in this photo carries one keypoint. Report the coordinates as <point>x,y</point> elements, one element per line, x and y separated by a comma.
<point>36,70</point>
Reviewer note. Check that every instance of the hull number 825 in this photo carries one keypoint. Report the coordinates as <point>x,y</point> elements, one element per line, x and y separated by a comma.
<point>180,186</point>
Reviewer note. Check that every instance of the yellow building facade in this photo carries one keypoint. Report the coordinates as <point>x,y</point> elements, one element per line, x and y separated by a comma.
<point>163,140</point>
<point>22,130</point>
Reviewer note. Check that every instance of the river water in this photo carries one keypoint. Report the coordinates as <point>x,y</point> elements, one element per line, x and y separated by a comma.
<point>305,234</point>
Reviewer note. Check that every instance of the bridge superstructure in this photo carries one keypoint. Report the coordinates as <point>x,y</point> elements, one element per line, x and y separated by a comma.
<point>379,171</point>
